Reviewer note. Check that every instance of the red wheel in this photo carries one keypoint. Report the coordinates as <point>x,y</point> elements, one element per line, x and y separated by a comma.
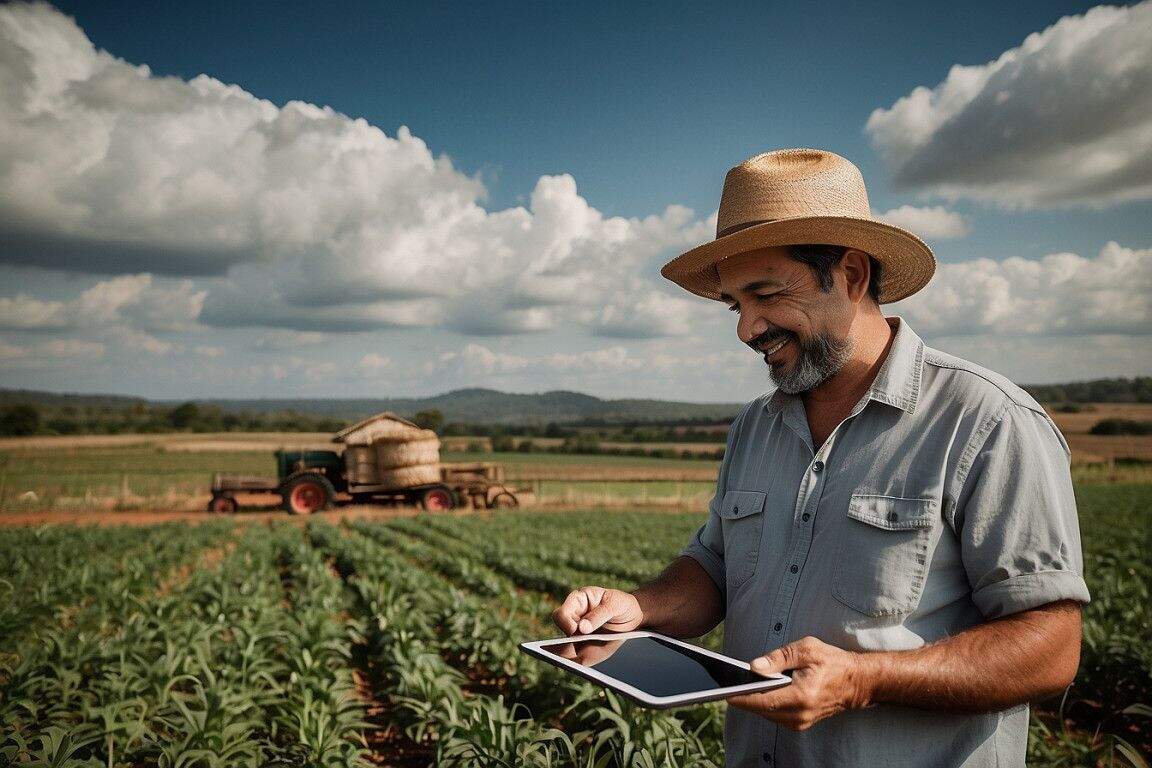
<point>223,504</point>
<point>306,494</point>
<point>438,499</point>
<point>504,500</point>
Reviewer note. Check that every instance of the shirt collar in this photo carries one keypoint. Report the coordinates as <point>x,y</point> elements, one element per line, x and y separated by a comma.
<point>897,383</point>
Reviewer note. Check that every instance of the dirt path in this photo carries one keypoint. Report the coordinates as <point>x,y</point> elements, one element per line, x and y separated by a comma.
<point>155,517</point>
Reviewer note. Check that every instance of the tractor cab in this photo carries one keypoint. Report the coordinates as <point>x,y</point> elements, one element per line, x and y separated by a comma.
<point>330,464</point>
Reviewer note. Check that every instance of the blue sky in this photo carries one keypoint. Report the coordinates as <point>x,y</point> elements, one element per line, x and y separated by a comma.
<point>638,108</point>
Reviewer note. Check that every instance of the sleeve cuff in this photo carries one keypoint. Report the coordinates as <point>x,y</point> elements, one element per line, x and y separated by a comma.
<point>1028,591</point>
<point>711,564</point>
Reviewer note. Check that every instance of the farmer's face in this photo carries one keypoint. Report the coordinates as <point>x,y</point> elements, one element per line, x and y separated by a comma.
<point>801,330</point>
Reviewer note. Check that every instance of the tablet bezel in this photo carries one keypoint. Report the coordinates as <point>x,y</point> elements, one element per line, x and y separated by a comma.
<point>535,649</point>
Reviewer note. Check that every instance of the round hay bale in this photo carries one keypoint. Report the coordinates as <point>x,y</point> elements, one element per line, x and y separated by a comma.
<point>411,454</point>
<point>409,436</point>
<point>407,477</point>
<point>360,461</point>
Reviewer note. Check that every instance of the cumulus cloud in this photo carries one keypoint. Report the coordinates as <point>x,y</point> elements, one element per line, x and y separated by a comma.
<point>373,362</point>
<point>278,341</point>
<point>1059,294</point>
<point>137,300</point>
<point>1064,118</point>
<point>61,349</point>
<point>319,221</point>
<point>931,223</point>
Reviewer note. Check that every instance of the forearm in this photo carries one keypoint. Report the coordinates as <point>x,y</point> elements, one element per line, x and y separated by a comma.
<point>682,601</point>
<point>1023,657</point>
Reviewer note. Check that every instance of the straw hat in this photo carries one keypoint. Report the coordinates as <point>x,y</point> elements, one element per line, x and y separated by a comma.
<point>797,197</point>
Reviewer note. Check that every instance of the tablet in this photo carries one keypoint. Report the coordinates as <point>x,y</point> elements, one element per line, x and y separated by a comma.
<point>651,669</point>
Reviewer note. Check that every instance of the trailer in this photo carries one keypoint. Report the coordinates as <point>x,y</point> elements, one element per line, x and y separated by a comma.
<point>309,480</point>
<point>477,486</point>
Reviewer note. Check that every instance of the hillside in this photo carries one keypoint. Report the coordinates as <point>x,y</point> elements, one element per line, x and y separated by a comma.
<point>475,405</point>
<point>488,406</point>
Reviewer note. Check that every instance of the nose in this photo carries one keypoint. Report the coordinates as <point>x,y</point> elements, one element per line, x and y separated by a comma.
<point>749,327</point>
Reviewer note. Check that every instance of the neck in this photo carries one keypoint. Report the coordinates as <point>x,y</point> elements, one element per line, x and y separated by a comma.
<point>871,337</point>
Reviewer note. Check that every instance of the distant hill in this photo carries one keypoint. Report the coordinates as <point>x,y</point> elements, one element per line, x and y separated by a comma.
<point>489,406</point>
<point>475,405</point>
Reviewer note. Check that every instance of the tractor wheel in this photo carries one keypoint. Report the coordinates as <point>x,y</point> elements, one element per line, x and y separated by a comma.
<point>307,493</point>
<point>223,504</point>
<point>504,500</point>
<point>437,499</point>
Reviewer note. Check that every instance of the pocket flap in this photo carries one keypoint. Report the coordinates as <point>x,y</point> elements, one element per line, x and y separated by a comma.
<point>738,504</point>
<point>892,513</point>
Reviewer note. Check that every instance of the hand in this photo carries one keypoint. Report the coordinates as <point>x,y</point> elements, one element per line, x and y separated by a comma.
<point>826,680</point>
<point>591,652</point>
<point>591,608</point>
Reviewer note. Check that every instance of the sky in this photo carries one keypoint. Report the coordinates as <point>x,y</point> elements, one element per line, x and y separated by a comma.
<point>364,199</point>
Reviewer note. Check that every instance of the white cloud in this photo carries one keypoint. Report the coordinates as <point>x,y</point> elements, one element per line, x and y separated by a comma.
<point>136,299</point>
<point>11,352</point>
<point>320,221</point>
<point>930,223</point>
<point>134,341</point>
<point>1065,118</point>
<point>1059,294</point>
<point>373,362</point>
<point>23,312</point>
<point>70,348</point>
<point>276,341</point>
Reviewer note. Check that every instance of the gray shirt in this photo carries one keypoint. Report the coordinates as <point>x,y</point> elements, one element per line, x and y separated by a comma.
<point>943,500</point>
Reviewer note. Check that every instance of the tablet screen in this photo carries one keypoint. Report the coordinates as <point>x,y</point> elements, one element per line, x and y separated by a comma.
<point>655,666</point>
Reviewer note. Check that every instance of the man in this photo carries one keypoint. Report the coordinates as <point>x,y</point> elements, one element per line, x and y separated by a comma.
<point>893,525</point>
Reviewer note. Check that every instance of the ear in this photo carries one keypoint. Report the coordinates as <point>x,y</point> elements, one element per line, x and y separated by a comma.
<point>857,272</point>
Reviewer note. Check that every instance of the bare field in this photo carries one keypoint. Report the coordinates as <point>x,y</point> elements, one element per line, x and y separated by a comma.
<point>1080,423</point>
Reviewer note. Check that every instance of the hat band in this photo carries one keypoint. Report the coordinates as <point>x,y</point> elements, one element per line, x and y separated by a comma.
<point>737,227</point>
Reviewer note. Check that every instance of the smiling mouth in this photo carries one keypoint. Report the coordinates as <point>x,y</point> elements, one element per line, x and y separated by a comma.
<point>774,348</point>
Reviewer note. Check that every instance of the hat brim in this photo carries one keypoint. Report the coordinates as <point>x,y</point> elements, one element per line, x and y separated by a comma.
<point>908,263</point>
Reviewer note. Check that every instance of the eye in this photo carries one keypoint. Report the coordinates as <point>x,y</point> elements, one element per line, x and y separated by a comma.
<point>765,297</point>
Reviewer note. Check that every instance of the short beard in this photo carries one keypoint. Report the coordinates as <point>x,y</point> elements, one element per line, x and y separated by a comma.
<point>819,359</point>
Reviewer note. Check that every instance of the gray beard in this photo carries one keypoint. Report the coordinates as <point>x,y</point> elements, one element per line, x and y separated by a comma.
<point>820,359</point>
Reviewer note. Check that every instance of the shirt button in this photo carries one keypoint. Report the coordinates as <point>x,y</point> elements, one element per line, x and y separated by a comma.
<point>805,517</point>
<point>778,627</point>
<point>794,569</point>
<point>767,757</point>
<point>735,510</point>
<point>818,467</point>
<point>893,517</point>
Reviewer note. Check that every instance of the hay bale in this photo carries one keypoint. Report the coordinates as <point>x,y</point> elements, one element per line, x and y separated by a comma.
<point>407,477</point>
<point>394,455</point>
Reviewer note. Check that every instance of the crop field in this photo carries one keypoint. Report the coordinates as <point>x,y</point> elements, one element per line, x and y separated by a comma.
<point>394,643</point>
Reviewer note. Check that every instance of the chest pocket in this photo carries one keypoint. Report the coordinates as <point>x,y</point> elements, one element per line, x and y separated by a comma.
<point>883,560</point>
<point>742,518</point>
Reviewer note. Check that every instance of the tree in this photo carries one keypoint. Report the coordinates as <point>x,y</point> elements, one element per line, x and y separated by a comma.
<point>431,419</point>
<point>182,416</point>
<point>20,420</point>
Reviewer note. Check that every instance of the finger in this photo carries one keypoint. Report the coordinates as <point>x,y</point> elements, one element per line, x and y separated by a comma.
<point>596,618</point>
<point>771,704</point>
<point>592,616</point>
<point>570,611</point>
<point>797,655</point>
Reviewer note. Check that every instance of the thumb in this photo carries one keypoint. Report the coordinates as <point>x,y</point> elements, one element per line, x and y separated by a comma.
<point>791,656</point>
<point>596,618</point>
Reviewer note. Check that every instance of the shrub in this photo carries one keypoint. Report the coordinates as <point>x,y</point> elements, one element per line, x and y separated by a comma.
<point>1121,427</point>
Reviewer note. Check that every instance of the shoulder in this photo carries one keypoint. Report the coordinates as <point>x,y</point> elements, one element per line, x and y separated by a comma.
<point>989,399</point>
<point>956,379</point>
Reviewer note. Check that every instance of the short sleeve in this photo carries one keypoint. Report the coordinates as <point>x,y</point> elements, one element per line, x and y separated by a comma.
<point>707,546</point>
<point>1015,516</point>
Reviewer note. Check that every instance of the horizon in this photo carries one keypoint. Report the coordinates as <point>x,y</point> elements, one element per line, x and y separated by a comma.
<point>356,201</point>
<point>210,398</point>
